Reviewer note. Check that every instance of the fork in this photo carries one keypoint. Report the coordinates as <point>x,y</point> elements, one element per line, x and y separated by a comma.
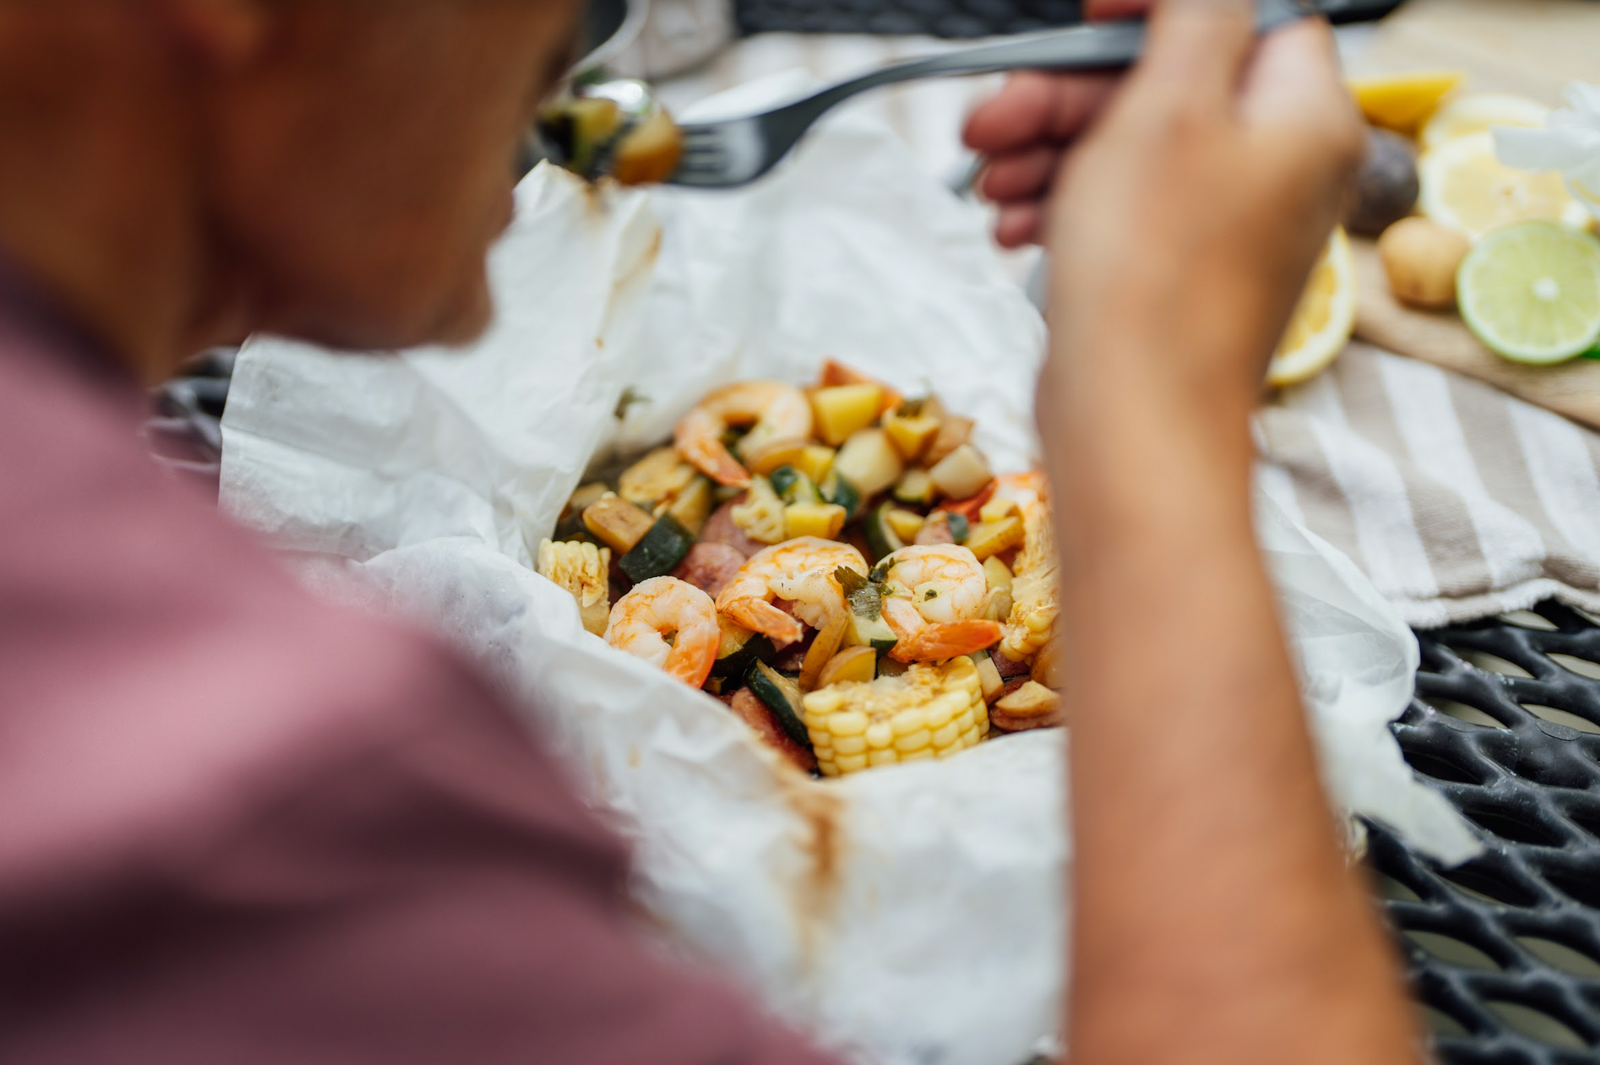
<point>737,151</point>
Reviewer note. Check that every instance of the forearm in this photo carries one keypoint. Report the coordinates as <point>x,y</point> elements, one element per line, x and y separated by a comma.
<point>1215,919</point>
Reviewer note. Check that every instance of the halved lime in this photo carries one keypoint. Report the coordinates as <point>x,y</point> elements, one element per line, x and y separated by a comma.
<point>1531,292</point>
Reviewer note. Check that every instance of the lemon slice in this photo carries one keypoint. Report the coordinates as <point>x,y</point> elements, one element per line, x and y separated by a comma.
<point>1322,324</point>
<point>1466,188</point>
<point>1402,102</point>
<point>1479,112</point>
<point>1531,292</point>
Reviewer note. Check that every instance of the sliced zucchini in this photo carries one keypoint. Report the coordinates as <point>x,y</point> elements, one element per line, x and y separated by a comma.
<point>859,664</point>
<point>783,698</point>
<point>882,536</point>
<point>736,662</point>
<point>870,632</point>
<point>658,552</point>
<point>793,486</point>
<point>841,493</point>
<point>960,527</point>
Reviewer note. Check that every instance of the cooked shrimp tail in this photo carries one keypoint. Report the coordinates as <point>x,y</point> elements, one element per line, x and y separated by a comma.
<point>921,641</point>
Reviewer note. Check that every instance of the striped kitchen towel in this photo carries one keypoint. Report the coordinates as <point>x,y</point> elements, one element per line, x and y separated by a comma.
<point>1458,500</point>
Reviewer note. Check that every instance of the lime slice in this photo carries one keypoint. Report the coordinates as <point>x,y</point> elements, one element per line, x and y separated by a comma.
<point>1531,292</point>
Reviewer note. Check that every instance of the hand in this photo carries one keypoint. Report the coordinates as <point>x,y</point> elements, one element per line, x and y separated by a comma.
<point>1183,224</point>
<point>1025,129</point>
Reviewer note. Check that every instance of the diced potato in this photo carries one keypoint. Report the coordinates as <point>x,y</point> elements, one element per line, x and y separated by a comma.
<point>1031,700</point>
<point>993,537</point>
<point>869,462</point>
<point>618,523</point>
<point>659,476</point>
<point>814,519</point>
<point>837,373</point>
<point>905,523</point>
<point>954,430</point>
<point>586,494</point>
<point>844,410</point>
<point>961,473</point>
<point>972,505</point>
<point>998,573</point>
<point>815,462</point>
<point>911,435</point>
<point>769,456</point>
<point>693,505</point>
<point>859,664</point>
<point>997,507</point>
<point>1047,669</point>
<point>916,487</point>
<point>989,678</point>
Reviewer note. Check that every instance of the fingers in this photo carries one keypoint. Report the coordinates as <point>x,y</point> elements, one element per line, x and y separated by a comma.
<point>1035,107</point>
<point>1026,175</point>
<point>1196,50</point>
<point>1294,77</point>
<point>1019,224</point>
<point>1098,10</point>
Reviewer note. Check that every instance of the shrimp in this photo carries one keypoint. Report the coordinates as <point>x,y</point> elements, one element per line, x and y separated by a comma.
<point>934,596</point>
<point>1035,596</point>
<point>775,410</point>
<point>671,624</point>
<point>800,571</point>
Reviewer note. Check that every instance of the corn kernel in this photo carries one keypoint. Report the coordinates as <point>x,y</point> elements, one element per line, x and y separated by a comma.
<point>883,757</point>
<point>908,721</point>
<point>880,734</point>
<point>926,754</point>
<point>947,735</point>
<point>914,741</point>
<point>847,722</point>
<point>850,745</point>
<point>849,763</point>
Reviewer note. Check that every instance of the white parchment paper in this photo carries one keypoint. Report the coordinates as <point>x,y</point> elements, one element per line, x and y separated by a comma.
<point>907,915</point>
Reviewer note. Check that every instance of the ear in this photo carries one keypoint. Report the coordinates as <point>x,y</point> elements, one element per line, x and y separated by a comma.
<point>226,33</point>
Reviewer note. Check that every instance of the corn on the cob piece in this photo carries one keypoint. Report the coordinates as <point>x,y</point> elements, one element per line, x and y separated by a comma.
<point>584,571</point>
<point>762,515</point>
<point>932,710</point>
<point>1034,597</point>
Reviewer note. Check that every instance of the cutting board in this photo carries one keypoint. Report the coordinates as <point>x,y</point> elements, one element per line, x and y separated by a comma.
<point>1531,47</point>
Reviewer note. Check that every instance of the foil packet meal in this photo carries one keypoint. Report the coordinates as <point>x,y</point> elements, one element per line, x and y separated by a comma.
<point>909,914</point>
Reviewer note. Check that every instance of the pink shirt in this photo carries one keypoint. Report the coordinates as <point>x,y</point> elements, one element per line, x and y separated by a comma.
<point>238,825</point>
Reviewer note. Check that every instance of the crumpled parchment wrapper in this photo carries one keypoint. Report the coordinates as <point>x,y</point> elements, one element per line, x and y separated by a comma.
<point>911,914</point>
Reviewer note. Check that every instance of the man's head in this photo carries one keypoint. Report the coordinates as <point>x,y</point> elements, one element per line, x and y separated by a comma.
<point>341,166</point>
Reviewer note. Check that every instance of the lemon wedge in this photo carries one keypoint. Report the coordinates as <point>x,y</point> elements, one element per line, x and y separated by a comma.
<point>1531,292</point>
<point>1323,321</point>
<point>1402,102</point>
<point>1479,112</point>
<point>1466,188</point>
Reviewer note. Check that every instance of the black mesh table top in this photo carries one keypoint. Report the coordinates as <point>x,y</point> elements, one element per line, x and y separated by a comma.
<point>1503,953</point>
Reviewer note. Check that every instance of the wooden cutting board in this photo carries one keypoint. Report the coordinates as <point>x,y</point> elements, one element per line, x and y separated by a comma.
<point>1531,47</point>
